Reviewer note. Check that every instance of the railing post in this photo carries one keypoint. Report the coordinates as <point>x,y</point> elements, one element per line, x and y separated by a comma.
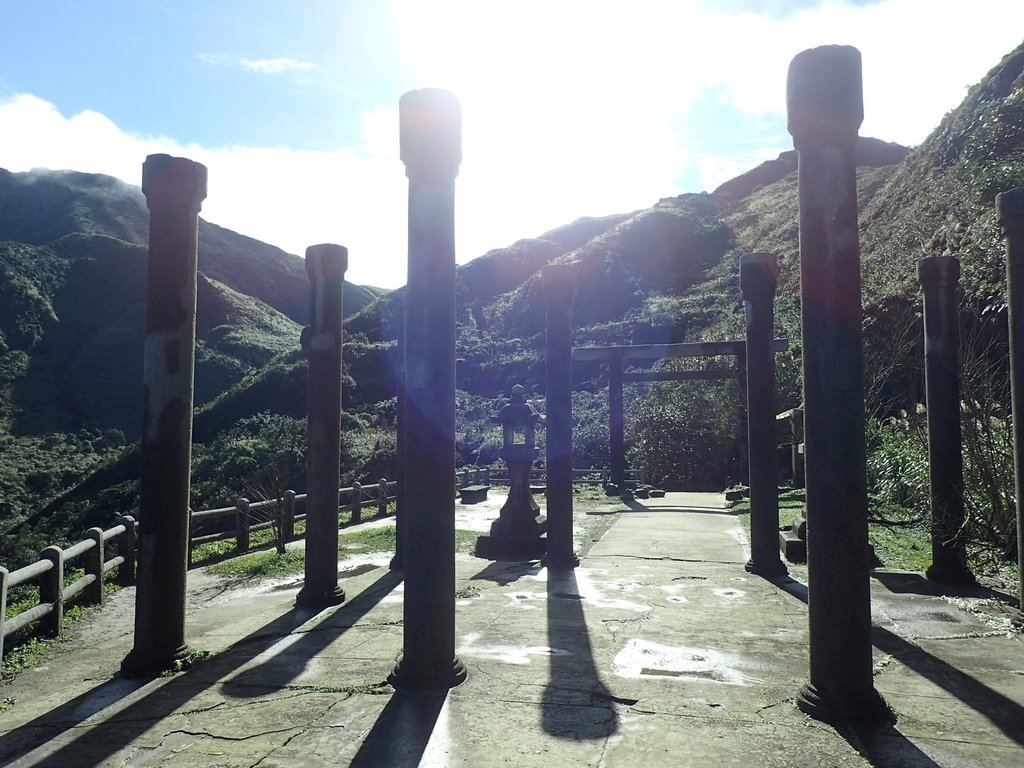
<point>356,504</point>
<point>4,573</point>
<point>51,590</point>
<point>94,564</point>
<point>242,518</point>
<point>288,517</point>
<point>382,496</point>
<point>126,549</point>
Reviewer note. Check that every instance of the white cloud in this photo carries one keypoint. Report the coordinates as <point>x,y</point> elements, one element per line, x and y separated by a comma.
<point>569,109</point>
<point>263,66</point>
<point>292,199</point>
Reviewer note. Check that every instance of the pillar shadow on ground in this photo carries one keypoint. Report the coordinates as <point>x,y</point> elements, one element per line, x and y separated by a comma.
<point>886,741</point>
<point>504,572</point>
<point>98,742</point>
<point>915,583</point>
<point>575,691</point>
<point>280,669</point>
<point>399,737</point>
<point>636,506</point>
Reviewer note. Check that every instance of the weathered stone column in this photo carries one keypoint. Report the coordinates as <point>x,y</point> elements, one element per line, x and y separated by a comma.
<point>1010,217</point>
<point>758,277</point>
<point>398,561</point>
<point>939,277</point>
<point>175,188</point>
<point>325,266</point>
<point>430,126</point>
<point>743,454</point>
<point>616,423</point>
<point>797,421</point>
<point>559,289</point>
<point>825,108</point>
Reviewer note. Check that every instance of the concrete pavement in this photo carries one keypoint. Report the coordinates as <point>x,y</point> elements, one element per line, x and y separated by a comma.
<point>659,650</point>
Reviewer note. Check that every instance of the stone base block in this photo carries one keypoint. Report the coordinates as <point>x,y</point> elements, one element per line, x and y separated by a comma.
<point>737,494</point>
<point>793,548</point>
<point>511,548</point>
<point>473,494</point>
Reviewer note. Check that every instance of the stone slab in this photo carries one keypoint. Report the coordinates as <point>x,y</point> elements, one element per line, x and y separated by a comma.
<point>659,650</point>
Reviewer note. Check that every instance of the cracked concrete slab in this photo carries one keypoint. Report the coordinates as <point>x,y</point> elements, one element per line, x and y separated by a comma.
<point>658,650</point>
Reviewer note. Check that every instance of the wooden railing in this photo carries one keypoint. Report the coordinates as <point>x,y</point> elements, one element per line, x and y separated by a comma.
<point>487,475</point>
<point>49,570</point>
<point>283,513</point>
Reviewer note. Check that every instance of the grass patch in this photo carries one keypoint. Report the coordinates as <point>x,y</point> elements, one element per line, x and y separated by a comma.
<point>900,547</point>
<point>28,647</point>
<point>188,661</point>
<point>791,506</point>
<point>270,564</point>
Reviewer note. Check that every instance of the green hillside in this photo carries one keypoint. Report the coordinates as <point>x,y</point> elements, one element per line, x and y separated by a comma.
<point>667,273</point>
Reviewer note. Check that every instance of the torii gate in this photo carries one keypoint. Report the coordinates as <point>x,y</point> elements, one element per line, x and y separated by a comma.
<point>613,357</point>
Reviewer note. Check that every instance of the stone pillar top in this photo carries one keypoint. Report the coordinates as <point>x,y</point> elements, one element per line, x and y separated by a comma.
<point>174,177</point>
<point>326,259</point>
<point>940,271</point>
<point>824,92</point>
<point>1010,210</point>
<point>558,282</point>
<point>758,271</point>
<point>430,133</point>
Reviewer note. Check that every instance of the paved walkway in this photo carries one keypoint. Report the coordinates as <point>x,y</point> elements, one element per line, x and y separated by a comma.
<point>658,651</point>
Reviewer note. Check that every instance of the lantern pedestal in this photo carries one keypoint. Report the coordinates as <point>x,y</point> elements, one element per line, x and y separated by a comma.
<point>518,533</point>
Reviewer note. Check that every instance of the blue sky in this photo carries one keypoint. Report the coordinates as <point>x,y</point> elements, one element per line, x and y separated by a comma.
<point>571,108</point>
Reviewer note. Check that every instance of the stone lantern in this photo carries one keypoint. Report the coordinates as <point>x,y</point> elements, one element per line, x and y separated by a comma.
<point>518,533</point>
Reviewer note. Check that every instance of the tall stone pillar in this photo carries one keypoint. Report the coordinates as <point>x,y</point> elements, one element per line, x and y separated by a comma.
<point>325,267</point>
<point>616,422</point>
<point>743,454</point>
<point>1010,216</point>
<point>825,108</point>
<point>758,278</point>
<point>398,561</point>
<point>430,127</point>
<point>559,290</point>
<point>175,188</point>
<point>939,277</point>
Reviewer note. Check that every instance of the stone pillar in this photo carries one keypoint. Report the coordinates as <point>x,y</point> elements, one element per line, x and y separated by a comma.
<point>797,421</point>
<point>616,422</point>
<point>175,188</point>
<point>398,561</point>
<point>939,277</point>
<point>325,266</point>
<point>758,277</point>
<point>430,127</point>
<point>825,108</point>
<point>743,454</point>
<point>1010,217</point>
<point>559,290</point>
